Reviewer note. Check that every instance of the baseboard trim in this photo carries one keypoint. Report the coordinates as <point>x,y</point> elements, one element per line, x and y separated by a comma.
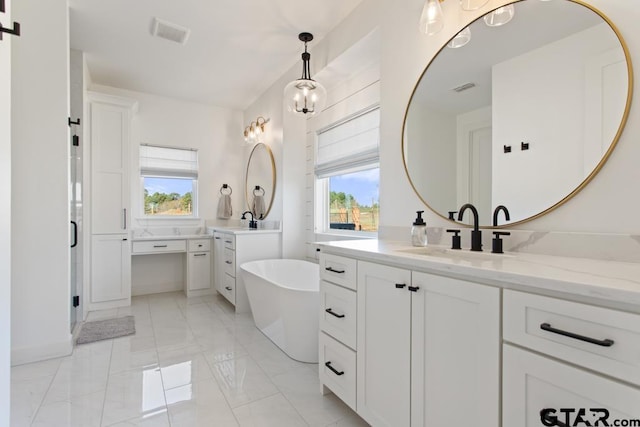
<point>20,356</point>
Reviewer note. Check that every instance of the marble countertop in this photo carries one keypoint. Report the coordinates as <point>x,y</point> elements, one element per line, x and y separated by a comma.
<point>610,283</point>
<point>242,230</point>
<point>171,237</point>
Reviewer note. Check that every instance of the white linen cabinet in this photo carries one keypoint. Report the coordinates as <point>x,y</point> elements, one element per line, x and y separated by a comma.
<point>108,200</point>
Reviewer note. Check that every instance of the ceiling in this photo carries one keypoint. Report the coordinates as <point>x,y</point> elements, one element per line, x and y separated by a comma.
<point>236,48</point>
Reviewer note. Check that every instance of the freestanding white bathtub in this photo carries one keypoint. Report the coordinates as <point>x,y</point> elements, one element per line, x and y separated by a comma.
<point>284,299</point>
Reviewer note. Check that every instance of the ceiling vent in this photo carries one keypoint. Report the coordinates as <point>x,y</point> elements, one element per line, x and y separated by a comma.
<point>169,31</point>
<point>463,87</point>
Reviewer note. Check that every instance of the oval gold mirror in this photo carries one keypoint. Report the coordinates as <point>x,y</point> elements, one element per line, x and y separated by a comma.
<point>260,181</point>
<point>524,115</point>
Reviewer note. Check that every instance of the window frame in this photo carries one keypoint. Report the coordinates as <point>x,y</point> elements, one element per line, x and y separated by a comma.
<point>321,185</point>
<point>194,188</point>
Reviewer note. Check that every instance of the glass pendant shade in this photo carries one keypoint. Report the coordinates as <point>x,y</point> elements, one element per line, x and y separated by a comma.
<point>500,16</point>
<point>472,4</point>
<point>305,96</point>
<point>431,20</point>
<point>461,39</point>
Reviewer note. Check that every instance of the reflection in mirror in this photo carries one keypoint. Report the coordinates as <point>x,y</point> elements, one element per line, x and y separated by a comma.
<point>260,181</point>
<point>524,115</point>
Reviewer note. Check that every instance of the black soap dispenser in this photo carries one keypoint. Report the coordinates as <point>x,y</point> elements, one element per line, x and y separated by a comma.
<point>419,231</point>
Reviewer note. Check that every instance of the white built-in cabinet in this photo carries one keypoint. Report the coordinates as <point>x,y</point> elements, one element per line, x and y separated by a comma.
<point>427,350</point>
<point>109,151</point>
<point>198,266</point>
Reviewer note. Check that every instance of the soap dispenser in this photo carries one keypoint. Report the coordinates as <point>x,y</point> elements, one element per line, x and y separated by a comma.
<point>419,231</point>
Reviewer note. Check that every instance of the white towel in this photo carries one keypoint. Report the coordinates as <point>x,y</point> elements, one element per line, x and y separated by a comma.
<point>224,207</point>
<point>258,208</point>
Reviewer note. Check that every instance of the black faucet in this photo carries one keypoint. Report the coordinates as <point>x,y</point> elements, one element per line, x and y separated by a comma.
<point>476,234</point>
<point>252,223</point>
<point>497,241</point>
<point>497,210</point>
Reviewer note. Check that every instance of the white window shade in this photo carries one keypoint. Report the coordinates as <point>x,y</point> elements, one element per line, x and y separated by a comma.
<point>168,162</point>
<point>352,144</point>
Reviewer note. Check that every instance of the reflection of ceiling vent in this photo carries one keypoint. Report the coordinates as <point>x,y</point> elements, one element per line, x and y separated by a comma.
<point>169,31</point>
<point>464,87</point>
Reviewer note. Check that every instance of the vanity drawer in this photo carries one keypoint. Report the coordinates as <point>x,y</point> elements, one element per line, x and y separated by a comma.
<point>229,288</point>
<point>159,246</point>
<point>229,241</point>
<point>597,338</point>
<point>338,313</point>
<point>230,262</point>
<point>338,269</point>
<point>199,245</point>
<point>338,369</point>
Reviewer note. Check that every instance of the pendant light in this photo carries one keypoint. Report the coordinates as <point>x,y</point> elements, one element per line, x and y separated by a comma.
<point>500,16</point>
<point>431,20</point>
<point>305,95</point>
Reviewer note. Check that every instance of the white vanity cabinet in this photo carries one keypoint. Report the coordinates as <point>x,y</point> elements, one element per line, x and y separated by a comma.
<point>606,342</point>
<point>199,267</point>
<point>427,350</point>
<point>108,204</point>
<point>232,248</point>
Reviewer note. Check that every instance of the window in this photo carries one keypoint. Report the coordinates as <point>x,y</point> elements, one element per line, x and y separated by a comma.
<point>169,179</point>
<point>348,174</point>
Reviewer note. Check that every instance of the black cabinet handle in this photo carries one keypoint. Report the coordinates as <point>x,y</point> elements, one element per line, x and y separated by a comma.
<point>334,271</point>
<point>328,365</point>
<point>544,416</point>
<point>228,241</point>
<point>228,288</point>
<point>2,8</point>
<point>228,262</point>
<point>328,310</point>
<point>159,246</point>
<point>414,288</point>
<point>602,343</point>
<point>400,285</point>
<point>217,238</point>
<point>75,234</point>
<point>200,255</point>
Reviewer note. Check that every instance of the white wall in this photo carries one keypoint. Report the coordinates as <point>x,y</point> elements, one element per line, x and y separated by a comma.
<point>40,299</point>
<point>5,223</point>
<point>553,125</point>
<point>406,52</point>
<point>432,152</point>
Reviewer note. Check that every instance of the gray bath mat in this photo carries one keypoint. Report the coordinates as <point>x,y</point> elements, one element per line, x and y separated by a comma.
<point>106,329</point>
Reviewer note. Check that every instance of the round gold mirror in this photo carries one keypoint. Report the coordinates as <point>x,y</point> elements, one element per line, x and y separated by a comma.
<point>260,181</point>
<point>524,115</point>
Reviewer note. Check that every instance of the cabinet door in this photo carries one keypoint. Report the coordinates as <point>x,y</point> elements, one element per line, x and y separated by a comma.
<point>535,387</point>
<point>199,271</point>
<point>110,268</point>
<point>109,167</point>
<point>383,344</point>
<point>455,353</point>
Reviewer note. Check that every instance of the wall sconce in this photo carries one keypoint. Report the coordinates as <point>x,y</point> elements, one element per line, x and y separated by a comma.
<point>305,95</point>
<point>432,19</point>
<point>255,129</point>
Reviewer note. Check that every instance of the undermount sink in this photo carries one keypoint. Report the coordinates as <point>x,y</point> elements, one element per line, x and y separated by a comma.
<point>453,254</point>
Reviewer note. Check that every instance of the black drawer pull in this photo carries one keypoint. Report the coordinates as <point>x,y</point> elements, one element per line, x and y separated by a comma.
<point>200,255</point>
<point>228,288</point>
<point>414,288</point>
<point>15,31</point>
<point>400,285</point>
<point>328,310</point>
<point>159,246</point>
<point>602,343</point>
<point>217,238</point>
<point>334,271</point>
<point>328,365</point>
<point>549,421</point>
<point>228,262</point>
<point>228,241</point>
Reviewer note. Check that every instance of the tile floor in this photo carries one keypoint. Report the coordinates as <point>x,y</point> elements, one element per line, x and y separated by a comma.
<point>192,362</point>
